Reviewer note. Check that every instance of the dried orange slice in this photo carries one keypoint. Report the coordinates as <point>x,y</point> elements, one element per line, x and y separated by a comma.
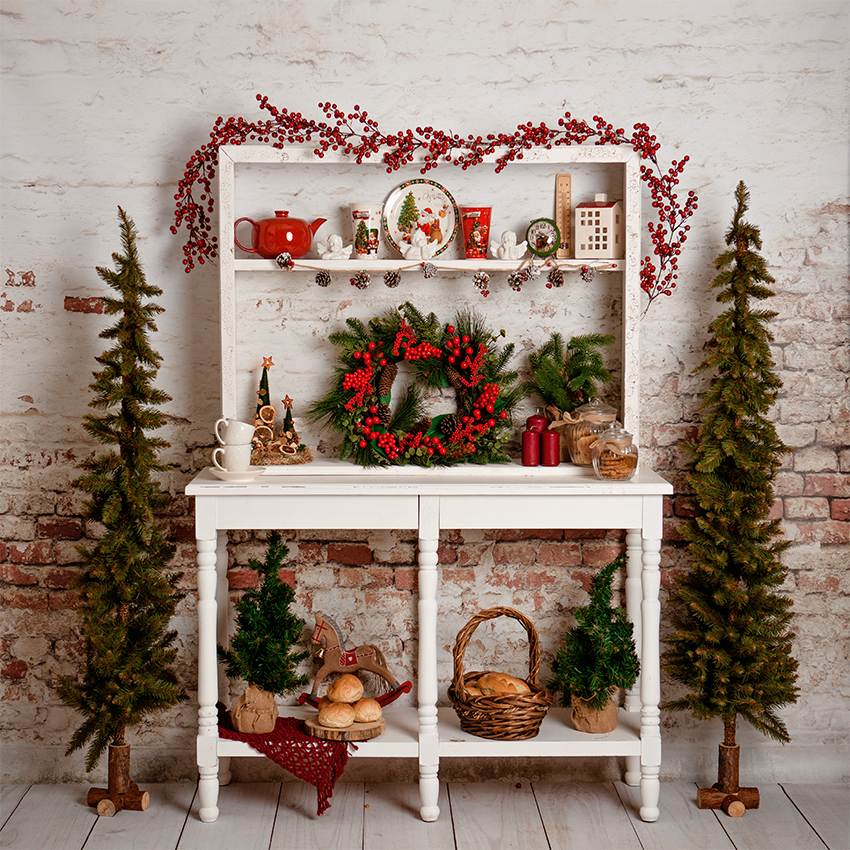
<point>263,434</point>
<point>266,413</point>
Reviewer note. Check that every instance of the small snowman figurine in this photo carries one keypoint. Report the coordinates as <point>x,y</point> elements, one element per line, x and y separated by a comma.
<point>419,248</point>
<point>333,249</point>
<point>508,250</point>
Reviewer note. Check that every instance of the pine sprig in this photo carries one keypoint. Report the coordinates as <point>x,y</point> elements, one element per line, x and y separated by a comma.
<point>732,642</point>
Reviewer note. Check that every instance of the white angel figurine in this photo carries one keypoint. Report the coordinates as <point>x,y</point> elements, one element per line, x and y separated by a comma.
<point>508,250</point>
<point>333,249</point>
<point>419,247</point>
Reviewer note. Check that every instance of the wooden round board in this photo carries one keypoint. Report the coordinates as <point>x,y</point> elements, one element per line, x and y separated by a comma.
<point>355,732</point>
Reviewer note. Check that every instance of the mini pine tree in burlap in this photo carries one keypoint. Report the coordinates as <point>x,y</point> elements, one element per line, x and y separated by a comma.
<point>731,644</point>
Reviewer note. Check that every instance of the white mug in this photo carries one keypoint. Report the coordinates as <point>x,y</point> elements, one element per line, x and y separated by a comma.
<point>236,458</point>
<point>236,433</point>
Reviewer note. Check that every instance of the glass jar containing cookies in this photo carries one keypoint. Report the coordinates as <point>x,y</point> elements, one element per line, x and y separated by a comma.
<point>615,457</point>
<point>587,421</point>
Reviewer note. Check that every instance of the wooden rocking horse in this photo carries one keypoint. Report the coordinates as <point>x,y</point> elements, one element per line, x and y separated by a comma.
<point>329,650</point>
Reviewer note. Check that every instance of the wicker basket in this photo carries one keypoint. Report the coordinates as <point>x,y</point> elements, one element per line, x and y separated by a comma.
<point>505,717</point>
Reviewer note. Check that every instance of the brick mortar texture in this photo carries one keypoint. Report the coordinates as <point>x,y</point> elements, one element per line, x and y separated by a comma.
<point>697,76</point>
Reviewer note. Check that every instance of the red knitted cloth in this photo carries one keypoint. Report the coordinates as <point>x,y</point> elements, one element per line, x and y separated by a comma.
<point>315,761</point>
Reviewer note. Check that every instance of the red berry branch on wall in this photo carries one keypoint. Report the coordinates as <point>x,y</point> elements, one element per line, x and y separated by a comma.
<point>356,135</point>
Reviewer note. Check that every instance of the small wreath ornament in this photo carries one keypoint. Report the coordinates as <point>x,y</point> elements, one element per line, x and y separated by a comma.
<point>463,355</point>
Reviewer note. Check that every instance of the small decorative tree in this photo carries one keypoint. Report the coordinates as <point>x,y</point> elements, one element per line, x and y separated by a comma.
<point>567,376</point>
<point>261,650</point>
<point>126,597</point>
<point>598,656</point>
<point>732,644</point>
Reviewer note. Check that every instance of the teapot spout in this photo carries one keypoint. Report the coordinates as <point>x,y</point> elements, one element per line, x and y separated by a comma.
<point>316,225</point>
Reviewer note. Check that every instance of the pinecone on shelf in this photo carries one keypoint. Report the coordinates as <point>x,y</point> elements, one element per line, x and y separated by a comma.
<point>392,279</point>
<point>361,280</point>
<point>386,379</point>
<point>555,278</point>
<point>323,278</point>
<point>385,414</point>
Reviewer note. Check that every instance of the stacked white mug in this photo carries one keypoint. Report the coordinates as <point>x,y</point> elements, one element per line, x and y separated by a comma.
<point>235,438</point>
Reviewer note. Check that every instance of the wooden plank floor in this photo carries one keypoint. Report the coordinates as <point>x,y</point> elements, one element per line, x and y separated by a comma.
<point>474,816</point>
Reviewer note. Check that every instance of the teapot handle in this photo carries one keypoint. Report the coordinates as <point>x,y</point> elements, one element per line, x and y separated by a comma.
<point>256,228</point>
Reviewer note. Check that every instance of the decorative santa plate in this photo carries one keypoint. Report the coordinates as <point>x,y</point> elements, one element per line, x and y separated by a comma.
<point>420,205</point>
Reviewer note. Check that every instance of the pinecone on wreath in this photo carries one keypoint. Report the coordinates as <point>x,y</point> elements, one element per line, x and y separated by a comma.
<point>385,413</point>
<point>422,426</point>
<point>454,377</point>
<point>386,379</point>
<point>449,424</point>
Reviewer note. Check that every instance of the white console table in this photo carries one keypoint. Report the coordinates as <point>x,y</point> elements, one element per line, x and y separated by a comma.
<point>332,495</point>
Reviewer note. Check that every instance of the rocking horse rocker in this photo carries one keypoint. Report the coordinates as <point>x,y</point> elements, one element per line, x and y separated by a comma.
<point>329,650</point>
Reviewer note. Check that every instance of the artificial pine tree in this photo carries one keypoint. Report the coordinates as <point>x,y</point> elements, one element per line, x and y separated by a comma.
<point>732,642</point>
<point>568,376</point>
<point>126,596</point>
<point>266,630</point>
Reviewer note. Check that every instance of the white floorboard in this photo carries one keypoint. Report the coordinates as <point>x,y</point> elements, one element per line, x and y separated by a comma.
<point>10,796</point>
<point>245,822</point>
<point>584,817</point>
<point>158,828</point>
<point>827,809</point>
<point>393,811</point>
<point>681,826</point>
<point>339,828</point>
<point>774,825</point>
<point>49,817</point>
<point>496,816</point>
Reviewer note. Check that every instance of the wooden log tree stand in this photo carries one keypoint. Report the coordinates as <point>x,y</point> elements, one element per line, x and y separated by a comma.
<point>122,792</point>
<point>726,793</point>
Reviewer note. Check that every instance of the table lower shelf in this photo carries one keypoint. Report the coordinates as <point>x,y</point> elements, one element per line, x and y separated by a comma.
<point>401,738</point>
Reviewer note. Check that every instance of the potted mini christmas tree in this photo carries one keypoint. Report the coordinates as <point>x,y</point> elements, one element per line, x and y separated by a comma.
<point>732,642</point>
<point>261,650</point>
<point>126,596</point>
<point>598,656</point>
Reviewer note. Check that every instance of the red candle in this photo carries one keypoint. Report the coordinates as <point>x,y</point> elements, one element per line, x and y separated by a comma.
<point>550,448</point>
<point>531,448</point>
<point>537,422</point>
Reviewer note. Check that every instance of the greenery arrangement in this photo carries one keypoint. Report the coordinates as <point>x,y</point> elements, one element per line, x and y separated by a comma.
<point>266,629</point>
<point>732,642</point>
<point>567,376</point>
<point>463,355</point>
<point>126,596</point>
<point>599,653</point>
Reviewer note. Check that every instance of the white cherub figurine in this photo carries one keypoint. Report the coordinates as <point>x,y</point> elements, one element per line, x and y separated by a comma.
<point>419,247</point>
<point>508,250</point>
<point>333,249</point>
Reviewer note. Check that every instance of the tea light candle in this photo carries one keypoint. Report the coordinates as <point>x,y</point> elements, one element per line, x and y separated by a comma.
<point>550,448</point>
<point>531,448</point>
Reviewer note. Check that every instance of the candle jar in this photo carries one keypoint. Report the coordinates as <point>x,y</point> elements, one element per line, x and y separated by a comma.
<point>550,448</point>
<point>531,448</point>
<point>588,420</point>
<point>614,455</point>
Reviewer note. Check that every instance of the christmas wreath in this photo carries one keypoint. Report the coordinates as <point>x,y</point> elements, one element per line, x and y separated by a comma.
<point>463,355</point>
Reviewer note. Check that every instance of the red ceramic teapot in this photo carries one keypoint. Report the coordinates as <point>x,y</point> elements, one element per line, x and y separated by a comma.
<point>281,234</point>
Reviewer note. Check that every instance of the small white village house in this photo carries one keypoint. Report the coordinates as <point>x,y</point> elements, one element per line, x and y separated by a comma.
<point>599,230</point>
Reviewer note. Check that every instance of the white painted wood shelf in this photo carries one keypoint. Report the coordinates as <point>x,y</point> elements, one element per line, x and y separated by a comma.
<point>332,494</point>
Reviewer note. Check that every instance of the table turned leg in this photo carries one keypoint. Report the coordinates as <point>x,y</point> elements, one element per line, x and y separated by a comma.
<point>207,682</point>
<point>650,682</point>
<point>429,736</point>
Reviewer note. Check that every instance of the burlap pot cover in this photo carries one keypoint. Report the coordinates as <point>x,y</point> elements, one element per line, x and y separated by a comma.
<point>255,712</point>
<point>591,719</point>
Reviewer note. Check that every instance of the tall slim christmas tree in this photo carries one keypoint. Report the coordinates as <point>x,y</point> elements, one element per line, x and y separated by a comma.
<point>732,640</point>
<point>127,596</point>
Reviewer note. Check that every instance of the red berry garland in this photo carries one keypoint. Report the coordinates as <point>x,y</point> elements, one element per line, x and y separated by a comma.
<point>463,355</point>
<point>356,135</point>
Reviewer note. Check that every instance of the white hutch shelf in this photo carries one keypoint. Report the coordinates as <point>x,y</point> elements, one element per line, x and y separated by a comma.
<point>330,494</point>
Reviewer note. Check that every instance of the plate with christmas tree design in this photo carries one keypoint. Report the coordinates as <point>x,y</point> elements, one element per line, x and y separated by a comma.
<point>420,205</point>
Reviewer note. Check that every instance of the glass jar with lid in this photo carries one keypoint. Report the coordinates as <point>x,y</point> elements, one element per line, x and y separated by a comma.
<point>615,456</point>
<point>587,421</point>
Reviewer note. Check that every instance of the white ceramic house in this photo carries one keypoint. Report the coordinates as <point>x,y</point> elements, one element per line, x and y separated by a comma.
<point>600,231</point>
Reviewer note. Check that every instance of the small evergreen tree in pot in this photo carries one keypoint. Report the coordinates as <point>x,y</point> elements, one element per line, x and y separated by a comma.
<point>731,644</point>
<point>127,597</point>
<point>598,656</point>
<point>261,650</point>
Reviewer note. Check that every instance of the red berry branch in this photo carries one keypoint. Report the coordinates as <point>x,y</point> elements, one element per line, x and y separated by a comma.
<point>356,135</point>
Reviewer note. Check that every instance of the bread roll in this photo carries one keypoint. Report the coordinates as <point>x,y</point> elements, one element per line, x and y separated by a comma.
<point>324,701</point>
<point>501,683</point>
<point>337,715</point>
<point>366,710</point>
<point>346,688</point>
